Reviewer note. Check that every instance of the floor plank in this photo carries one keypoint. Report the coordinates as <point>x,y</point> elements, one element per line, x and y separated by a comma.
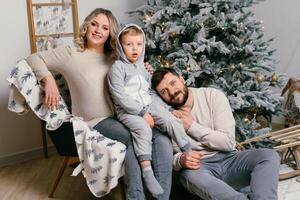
<point>32,181</point>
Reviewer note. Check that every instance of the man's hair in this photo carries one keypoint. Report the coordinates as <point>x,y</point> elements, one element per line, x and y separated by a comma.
<point>132,30</point>
<point>159,75</point>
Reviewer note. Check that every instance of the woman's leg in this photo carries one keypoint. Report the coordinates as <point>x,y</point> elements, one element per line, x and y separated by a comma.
<point>115,130</point>
<point>162,156</point>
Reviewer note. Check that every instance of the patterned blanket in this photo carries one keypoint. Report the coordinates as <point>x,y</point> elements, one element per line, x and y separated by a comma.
<point>101,159</point>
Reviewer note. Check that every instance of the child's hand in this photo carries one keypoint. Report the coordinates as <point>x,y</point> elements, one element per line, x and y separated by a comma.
<point>149,119</point>
<point>177,114</point>
<point>149,68</point>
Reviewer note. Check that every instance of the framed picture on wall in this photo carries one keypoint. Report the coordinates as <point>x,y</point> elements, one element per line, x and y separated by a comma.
<point>52,23</point>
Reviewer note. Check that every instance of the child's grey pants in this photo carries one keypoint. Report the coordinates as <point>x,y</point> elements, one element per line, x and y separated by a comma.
<point>142,133</point>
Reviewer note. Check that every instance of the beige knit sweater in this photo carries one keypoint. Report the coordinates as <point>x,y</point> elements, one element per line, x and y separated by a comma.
<point>85,73</point>
<point>213,128</point>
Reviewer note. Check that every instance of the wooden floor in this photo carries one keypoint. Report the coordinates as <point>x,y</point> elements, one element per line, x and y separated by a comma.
<point>32,181</point>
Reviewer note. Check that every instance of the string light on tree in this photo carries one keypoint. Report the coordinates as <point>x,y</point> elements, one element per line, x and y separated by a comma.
<point>253,112</point>
<point>147,17</point>
<point>232,67</point>
<point>246,120</point>
<point>167,64</point>
<point>160,59</point>
<point>162,25</point>
<point>173,34</point>
<point>220,72</point>
<point>260,77</point>
<point>254,115</point>
<point>163,61</point>
<point>188,68</point>
<point>274,77</point>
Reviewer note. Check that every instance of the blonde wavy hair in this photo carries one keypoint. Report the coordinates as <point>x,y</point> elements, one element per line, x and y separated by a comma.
<point>110,44</point>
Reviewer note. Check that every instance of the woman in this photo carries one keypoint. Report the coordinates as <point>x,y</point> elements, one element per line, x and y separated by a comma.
<point>85,68</point>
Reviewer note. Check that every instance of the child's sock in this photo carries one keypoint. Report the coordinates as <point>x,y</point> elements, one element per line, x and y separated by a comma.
<point>151,182</point>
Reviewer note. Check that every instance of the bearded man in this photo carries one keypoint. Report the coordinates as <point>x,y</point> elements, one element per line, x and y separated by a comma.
<point>215,169</point>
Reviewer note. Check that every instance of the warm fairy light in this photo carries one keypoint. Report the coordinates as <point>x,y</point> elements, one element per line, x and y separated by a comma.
<point>274,77</point>
<point>232,66</point>
<point>147,17</point>
<point>260,77</point>
<point>246,120</point>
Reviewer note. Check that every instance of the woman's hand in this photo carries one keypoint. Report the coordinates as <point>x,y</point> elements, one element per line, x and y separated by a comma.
<point>149,119</point>
<point>149,67</point>
<point>52,95</point>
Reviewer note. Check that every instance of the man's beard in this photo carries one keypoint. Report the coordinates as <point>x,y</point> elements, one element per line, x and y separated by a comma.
<point>185,93</point>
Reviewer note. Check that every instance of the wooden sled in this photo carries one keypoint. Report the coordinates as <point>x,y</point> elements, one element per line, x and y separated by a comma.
<point>286,142</point>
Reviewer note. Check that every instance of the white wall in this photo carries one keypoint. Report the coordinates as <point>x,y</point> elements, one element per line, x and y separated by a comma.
<point>282,20</point>
<point>22,133</point>
<point>17,133</point>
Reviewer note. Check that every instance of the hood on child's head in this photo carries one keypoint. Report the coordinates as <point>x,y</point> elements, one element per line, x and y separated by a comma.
<point>120,49</point>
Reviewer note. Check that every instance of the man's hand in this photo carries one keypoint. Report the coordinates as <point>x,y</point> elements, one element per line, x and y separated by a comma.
<point>191,160</point>
<point>52,95</point>
<point>149,119</point>
<point>149,68</point>
<point>186,119</point>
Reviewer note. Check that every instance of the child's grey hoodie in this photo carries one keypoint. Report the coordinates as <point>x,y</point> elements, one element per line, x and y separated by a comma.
<point>129,83</point>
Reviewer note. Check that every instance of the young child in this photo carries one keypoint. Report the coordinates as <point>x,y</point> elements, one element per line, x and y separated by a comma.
<point>129,85</point>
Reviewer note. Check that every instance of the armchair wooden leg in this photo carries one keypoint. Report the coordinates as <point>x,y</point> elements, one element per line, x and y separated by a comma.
<point>123,189</point>
<point>59,175</point>
<point>44,139</point>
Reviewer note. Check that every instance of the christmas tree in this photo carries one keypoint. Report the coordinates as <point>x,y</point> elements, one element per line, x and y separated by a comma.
<point>217,43</point>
